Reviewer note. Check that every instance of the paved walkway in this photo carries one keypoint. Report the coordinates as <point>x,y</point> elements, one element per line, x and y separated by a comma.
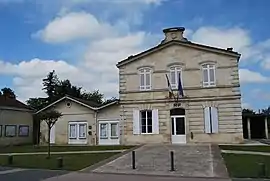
<point>66,152</point>
<point>246,152</point>
<point>190,161</point>
<point>119,177</point>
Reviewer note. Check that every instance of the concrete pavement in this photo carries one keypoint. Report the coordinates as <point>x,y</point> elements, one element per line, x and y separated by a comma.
<point>120,177</point>
<point>190,161</point>
<point>14,174</point>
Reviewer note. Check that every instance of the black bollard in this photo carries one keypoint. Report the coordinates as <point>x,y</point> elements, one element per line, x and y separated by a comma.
<point>60,162</point>
<point>262,170</point>
<point>172,161</point>
<point>133,160</point>
<point>10,159</point>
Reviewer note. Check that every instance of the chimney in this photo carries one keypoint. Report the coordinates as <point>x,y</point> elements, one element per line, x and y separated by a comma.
<point>175,33</point>
<point>230,49</point>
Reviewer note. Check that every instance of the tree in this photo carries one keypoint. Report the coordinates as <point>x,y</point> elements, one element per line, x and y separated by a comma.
<point>110,100</point>
<point>266,111</point>
<point>37,103</point>
<point>8,92</point>
<point>50,117</point>
<point>56,89</point>
<point>49,85</point>
<point>248,111</point>
<point>94,96</point>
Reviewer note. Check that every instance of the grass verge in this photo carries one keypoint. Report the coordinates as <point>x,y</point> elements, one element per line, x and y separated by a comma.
<point>71,162</point>
<point>258,148</point>
<point>30,148</point>
<point>247,166</point>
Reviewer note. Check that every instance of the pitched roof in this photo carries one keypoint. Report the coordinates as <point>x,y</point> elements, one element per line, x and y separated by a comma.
<point>12,103</point>
<point>89,104</point>
<point>162,45</point>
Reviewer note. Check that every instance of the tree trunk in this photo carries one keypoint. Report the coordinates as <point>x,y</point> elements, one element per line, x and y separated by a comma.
<point>49,141</point>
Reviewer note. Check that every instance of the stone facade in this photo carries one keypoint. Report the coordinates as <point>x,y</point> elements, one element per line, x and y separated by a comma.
<point>225,95</point>
<point>16,117</point>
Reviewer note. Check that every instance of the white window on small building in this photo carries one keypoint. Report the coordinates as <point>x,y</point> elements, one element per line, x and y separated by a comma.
<point>145,78</point>
<point>175,72</point>
<point>211,120</point>
<point>209,75</point>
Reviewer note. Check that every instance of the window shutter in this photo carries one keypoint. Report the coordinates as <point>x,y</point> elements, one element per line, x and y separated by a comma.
<point>214,115</point>
<point>136,121</point>
<point>155,121</point>
<point>207,120</point>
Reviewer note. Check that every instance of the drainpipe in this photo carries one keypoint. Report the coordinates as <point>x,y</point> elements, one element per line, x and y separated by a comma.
<point>96,132</point>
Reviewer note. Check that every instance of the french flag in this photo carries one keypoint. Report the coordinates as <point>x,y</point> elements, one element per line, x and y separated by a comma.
<point>180,88</point>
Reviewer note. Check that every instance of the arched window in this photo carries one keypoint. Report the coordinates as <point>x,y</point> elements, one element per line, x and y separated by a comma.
<point>209,75</point>
<point>175,72</point>
<point>145,78</point>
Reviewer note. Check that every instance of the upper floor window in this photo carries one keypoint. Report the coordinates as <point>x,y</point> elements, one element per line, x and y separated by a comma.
<point>209,75</point>
<point>145,78</point>
<point>175,72</point>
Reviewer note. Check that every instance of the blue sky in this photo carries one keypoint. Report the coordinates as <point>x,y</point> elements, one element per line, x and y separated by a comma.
<point>72,37</point>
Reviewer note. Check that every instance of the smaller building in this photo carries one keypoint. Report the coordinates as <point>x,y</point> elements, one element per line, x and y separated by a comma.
<point>256,126</point>
<point>83,123</point>
<point>16,122</point>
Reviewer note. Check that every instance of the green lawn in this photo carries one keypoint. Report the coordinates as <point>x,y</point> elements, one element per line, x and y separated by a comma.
<point>30,148</point>
<point>71,161</point>
<point>259,148</point>
<point>246,166</point>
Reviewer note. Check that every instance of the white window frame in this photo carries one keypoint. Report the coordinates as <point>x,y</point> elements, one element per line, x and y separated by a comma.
<point>69,125</point>
<point>109,129</point>
<point>82,124</point>
<point>176,70</point>
<point>77,129</point>
<point>146,122</point>
<point>117,130</point>
<point>143,72</point>
<point>208,67</point>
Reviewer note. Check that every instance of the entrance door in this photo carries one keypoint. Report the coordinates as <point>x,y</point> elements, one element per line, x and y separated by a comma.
<point>178,129</point>
<point>109,133</point>
<point>52,135</point>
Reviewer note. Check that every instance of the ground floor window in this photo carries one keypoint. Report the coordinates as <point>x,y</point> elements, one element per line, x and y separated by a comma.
<point>108,130</point>
<point>146,121</point>
<point>23,130</point>
<point>77,130</point>
<point>10,130</point>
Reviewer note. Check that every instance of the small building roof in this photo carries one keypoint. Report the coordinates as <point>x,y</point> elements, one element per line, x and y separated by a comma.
<point>89,104</point>
<point>6,102</point>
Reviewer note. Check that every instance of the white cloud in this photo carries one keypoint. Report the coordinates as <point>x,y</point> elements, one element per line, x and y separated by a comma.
<point>72,26</point>
<point>220,37</point>
<point>248,76</point>
<point>237,38</point>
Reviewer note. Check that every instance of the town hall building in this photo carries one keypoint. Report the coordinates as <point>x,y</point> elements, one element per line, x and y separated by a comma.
<point>208,111</point>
